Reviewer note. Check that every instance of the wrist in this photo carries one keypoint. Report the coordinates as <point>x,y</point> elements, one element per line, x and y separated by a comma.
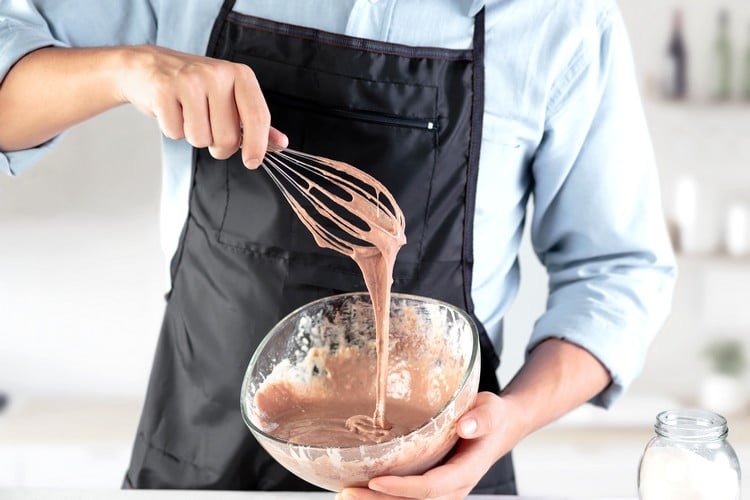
<point>124,65</point>
<point>520,415</point>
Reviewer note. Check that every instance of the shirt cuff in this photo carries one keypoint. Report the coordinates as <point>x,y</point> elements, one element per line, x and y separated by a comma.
<point>619,350</point>
<point>15,162</point>
<point>17,41</point>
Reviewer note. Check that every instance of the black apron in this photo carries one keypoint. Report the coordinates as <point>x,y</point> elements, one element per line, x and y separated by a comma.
<point>409,116</point>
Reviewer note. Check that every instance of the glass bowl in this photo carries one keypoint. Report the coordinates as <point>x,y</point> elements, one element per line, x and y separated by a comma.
<point>434,335</point>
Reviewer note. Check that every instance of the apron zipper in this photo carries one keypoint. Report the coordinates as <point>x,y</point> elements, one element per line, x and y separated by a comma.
<point>363,116</point>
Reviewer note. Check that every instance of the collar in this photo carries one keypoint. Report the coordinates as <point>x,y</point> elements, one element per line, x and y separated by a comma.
<point>474,6</point>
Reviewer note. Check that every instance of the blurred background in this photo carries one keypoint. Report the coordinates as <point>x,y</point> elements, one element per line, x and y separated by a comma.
<point>82,278</point>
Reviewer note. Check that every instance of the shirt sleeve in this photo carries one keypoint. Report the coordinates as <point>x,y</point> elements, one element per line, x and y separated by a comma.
<point>598,225</point>
<point>27,25</point>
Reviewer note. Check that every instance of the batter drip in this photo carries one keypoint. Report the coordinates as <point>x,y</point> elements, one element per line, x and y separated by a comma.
<point>340,186</point>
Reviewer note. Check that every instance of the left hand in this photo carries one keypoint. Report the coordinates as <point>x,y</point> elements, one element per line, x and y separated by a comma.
<point>488,431</point>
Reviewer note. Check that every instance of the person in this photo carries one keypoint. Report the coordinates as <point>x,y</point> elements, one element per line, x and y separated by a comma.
<point>462,109</point>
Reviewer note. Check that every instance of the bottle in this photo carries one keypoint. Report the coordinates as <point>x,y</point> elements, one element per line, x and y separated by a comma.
<point>746,83</point>
<point>686,201</point>
<point>689,457</point>
<point>736,236</point>
<point>676,78</point>
<point>723,58</point>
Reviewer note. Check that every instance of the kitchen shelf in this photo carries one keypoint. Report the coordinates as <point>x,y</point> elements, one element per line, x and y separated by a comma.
<point>703,138</point>
<point>713,259</point>
<point>728,119</point>
<point>700,105</point>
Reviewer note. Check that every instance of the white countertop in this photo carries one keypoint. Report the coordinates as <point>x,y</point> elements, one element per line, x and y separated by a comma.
<point>72,494</point>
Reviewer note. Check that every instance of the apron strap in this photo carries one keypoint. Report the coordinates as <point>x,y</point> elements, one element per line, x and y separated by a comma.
<point>226,8</point>
<point>490,360</point>
<point>475,142</point>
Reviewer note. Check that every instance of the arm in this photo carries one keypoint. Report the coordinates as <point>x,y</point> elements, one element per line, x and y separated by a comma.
<point>29,25</point>
<point>201,99</point>
<point>599,230</point>
<point>52,89</point>
<point>46,86</point>
<point>558,377</point>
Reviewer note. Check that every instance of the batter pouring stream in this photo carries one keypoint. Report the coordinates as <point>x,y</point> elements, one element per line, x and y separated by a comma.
<point>324,191</point>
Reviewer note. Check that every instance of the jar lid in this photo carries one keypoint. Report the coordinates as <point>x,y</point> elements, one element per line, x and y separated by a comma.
<point>691,425</point>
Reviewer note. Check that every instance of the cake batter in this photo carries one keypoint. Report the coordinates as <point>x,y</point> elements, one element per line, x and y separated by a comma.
<point>385,233</point>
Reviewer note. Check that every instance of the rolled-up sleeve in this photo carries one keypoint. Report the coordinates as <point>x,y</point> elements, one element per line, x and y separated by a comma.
<point>598,226</point>
<point>27,25</point>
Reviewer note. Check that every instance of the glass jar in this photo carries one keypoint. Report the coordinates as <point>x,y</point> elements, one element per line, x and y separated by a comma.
<point>689,459</point>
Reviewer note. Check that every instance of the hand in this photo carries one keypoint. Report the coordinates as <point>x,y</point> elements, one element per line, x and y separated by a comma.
<point>488,431</point>
<point>209,102</point>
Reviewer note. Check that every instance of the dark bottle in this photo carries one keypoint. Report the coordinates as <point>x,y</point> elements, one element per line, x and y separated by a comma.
<point>676,78</point>
<point>723,58</point>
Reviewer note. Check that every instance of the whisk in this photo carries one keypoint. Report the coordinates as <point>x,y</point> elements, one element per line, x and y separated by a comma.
<point>343,207</point>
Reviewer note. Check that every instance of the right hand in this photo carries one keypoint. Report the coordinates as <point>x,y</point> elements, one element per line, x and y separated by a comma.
<point>209,102</point>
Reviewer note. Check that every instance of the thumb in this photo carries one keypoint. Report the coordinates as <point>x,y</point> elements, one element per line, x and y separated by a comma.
<point>275,138</point>
<point>483,418</point>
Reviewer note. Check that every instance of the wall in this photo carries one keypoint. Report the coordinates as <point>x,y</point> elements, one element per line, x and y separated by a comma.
<point>80,264</point>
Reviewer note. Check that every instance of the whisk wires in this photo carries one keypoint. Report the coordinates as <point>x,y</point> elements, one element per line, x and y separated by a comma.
<point>338,203</point>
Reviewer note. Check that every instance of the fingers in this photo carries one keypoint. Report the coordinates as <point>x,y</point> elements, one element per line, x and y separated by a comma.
<point>484,441</point>
<point>448,480</point>
<point>454,479</point>
<point>406,487</point>
<point>195,117</point>
<point>365,494</point>
<point>224,119</point>
<point>210,103</point>
<point>169,115</point>
<point>483,419</point>
<point>254,115</point>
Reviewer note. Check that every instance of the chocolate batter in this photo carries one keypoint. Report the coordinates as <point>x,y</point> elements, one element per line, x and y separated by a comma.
<point>385,233</point>
<point>318,410</point>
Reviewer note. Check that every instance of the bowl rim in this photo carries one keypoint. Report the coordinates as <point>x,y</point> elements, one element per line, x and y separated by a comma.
<point>469,370</point>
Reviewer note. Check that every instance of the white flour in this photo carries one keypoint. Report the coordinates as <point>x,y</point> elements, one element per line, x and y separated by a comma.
<point>671,473</point>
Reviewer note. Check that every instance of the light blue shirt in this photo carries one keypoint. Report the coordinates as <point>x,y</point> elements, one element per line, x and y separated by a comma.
<point>563,123</point>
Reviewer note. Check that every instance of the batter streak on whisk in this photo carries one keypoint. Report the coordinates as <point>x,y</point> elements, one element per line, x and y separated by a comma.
<point>350,212</point>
